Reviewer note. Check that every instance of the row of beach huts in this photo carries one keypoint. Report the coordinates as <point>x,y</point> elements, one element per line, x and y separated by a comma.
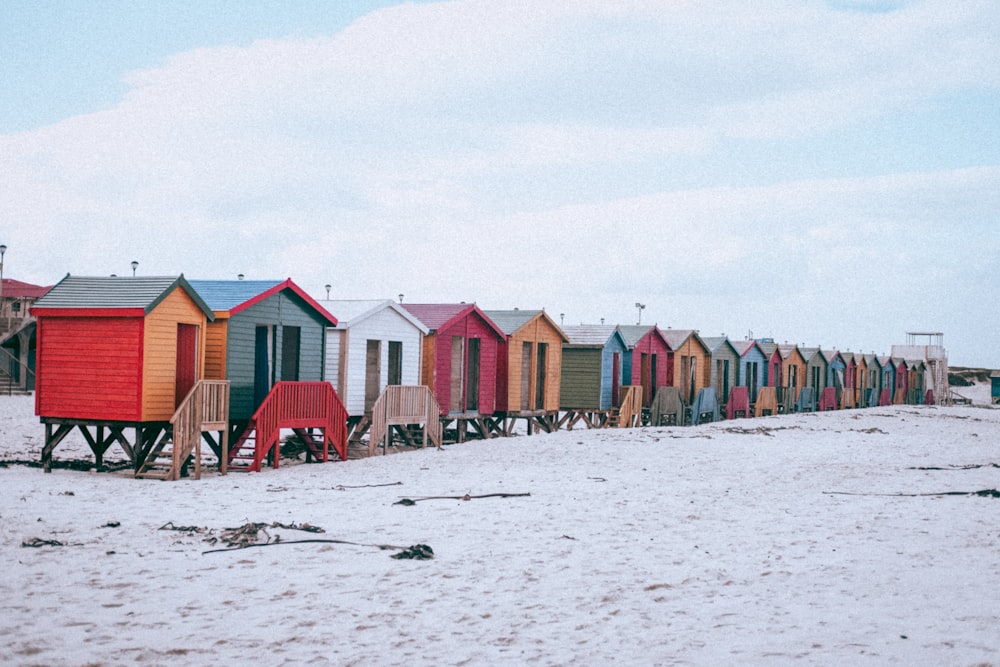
<point>163,365</point>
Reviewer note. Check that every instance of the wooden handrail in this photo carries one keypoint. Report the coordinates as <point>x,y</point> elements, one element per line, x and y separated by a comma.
<point>299,405</point>
<point>405,404</point>
<point>205,408</point>
<point>630,406</point>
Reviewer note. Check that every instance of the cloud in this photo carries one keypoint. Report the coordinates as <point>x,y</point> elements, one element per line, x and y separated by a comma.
<point>581,154</point>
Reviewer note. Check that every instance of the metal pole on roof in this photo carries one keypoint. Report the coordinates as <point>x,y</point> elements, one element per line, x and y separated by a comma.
<point>135,265</point>
<point>641,307</point>
<point>327,286</point>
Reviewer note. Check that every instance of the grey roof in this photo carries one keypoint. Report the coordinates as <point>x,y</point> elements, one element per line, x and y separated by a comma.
<point>227,294</point>
<point>510,321</point>
<point>769,347</point>
<point>809,352</point>
<point>715,342</point>
<point>590,335</point>
<point>676,337</point>
<point>633,333</point>
<point>143,292</point>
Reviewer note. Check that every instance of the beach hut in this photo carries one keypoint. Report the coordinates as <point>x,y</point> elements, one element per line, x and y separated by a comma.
<point>529,366</point>
<point>916,371</point>
<point>774,361</point>
<point>793,376</point>
<point>836,368</point>
<point>753,362</point>
<point>268,340</point>
<point>725,361</point>
<point>816,372</point>
<point>647,359</point>
<point>870,381</point>
<point>887,382</point>
<point>860,379</point>
<point>118,355</point>
<point>375,343</point>
<point>459,363</point>
<point>692,362</point>
<point>901,375</point>
<point>995,387</point>
<point>591,374</point>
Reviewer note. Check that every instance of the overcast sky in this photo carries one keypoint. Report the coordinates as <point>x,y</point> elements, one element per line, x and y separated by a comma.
<point>826,173</point>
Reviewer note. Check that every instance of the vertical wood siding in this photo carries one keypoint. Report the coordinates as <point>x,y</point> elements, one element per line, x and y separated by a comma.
<point>469,327</point>
<point>283,309</point>
<point>215,349</point>
<point>703,365</point>
<point>650,344</point>
<point>345,366</point>
<point>614,346</point>
<point>535,331</point>
<point>722,385</point>
<point>160,353</point>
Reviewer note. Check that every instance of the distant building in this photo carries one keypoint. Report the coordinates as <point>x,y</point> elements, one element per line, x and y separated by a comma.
<point>16,298</point>
<point>928,347</point>
<point>17,335</point>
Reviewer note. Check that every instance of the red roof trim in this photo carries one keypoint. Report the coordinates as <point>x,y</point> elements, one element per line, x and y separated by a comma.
<point>473,308</point>
<point>288,284</point>
<point>88,312</point>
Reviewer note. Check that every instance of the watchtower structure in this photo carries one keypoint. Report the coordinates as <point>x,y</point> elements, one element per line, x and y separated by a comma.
<point>928,346</point>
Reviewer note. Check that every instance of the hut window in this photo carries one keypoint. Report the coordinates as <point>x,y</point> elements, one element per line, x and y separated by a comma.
<point>290,343</point>
<point>395,362</point>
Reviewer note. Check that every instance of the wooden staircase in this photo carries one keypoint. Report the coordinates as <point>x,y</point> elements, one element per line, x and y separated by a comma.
<point>301,407</point>
<point>628,414</point>
<point>204,409</point>
<point>404,407</point>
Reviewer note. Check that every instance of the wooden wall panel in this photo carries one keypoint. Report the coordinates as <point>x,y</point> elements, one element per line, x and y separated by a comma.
<point>89,368</point>
<point>160,353</point>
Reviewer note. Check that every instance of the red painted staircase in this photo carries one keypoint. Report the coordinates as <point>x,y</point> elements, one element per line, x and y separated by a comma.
<point>300,406</point>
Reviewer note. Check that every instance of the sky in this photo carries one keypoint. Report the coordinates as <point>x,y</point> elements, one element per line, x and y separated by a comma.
<point>822,173</point>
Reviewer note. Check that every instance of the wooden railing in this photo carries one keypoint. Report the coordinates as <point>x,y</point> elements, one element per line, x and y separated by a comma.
<point>630,407</point>
<point>399,405</point>
<point>19,375</point>
<point>299,405</point>
<point>205,408</point>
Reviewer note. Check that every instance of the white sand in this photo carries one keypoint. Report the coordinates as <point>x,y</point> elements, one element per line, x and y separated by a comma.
<point>719,544</point>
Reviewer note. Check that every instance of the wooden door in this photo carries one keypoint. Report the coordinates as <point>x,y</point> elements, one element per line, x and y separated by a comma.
<point>473,371</point>
<point>616,378</point>
<point>373,360</point>
<point>457,374</point>
<point>526,376</point>
<point>261,364</point>
<point>540,377</point>
<point>187,361</point>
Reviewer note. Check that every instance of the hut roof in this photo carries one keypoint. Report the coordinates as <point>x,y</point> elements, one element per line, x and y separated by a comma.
<point>633,333</point>
<point>676,337</point>
<point>511,320</point>
<point>351,311</point>
<point>229,297</point>
<point>437,315</point>
<point>716,342</point>
<point>591,335</point>
<point>138,293</point>
<point>744,346</point>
